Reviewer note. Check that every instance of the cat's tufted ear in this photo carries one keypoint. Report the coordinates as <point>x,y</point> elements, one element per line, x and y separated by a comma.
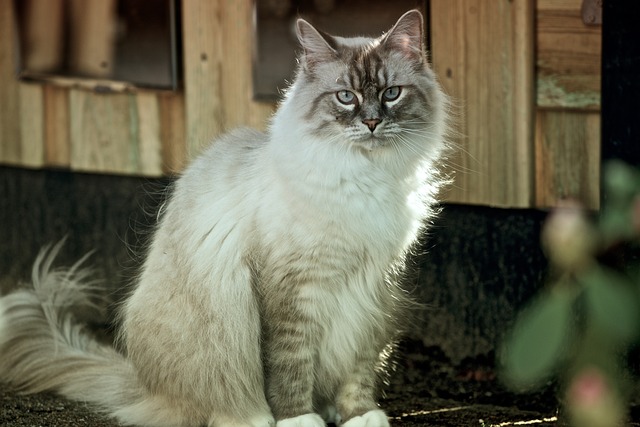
<point>407,36</point>
<point>316,45</point>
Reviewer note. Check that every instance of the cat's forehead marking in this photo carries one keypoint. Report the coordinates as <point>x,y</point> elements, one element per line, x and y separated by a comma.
<point>369,68</point>
<point>364,66</point>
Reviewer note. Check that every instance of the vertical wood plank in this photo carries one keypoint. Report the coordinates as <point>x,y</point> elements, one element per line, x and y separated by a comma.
<point>149,144</point>
<point>236,62</point>
<point>523,63</point>
<point>44,33</point>
<point>172,132</point>
<point>218,70</point>
<point>567,140</point>
<point>9,91</point>
<point>101,136</point>
<point>93,29</point>
<point>203,46</point>
<point>447,27</point>
<point>567,157</point>
<point>484,55</point>
<point>31,125</point>
<point>56,117</point>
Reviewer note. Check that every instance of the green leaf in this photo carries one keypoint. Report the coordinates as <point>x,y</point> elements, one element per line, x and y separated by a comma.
<point>616,224</point>
<point>620,179</point>
<point>613,304</point>
<point>540,335</point>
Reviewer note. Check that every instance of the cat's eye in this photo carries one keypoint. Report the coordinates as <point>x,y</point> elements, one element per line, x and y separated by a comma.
<point>392,93</point>
<point>346,97</point>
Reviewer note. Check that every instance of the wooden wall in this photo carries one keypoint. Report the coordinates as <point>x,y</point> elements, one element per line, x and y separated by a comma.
<point>217,65</point>
<point>523,76</point>
<point>109,127</point>
<point>483,53</point>
<point>567,131</point>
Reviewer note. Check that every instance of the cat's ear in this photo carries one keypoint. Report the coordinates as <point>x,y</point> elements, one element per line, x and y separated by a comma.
<point>407,36</point>
<point>316,45</point>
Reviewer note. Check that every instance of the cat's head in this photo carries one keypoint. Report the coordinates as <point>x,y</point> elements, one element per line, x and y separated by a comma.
<point>372,92</point>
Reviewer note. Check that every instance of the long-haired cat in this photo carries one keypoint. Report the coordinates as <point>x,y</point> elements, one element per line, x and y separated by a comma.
<point>267,295</point>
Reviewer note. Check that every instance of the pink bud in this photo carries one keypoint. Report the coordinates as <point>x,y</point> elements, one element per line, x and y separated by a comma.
<point>592,402</point>
<point>588,388</point>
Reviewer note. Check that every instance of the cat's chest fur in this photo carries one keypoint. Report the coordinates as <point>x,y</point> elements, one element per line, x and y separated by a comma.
<point>337,240</point>
<point>340,207</point>
<point>336,231</point>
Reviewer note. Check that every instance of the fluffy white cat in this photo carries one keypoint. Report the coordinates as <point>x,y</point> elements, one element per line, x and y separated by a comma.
<point>268,294</point>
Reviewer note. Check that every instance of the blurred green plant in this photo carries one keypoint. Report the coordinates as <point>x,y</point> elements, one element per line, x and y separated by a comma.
<point>580,327</point>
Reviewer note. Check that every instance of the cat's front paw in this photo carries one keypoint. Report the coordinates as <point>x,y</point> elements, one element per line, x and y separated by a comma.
<point>375,418</point>
<point>306,420</point>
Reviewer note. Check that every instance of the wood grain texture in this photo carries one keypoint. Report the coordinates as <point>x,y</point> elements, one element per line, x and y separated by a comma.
<point>92,38</point>
<point>201,23</point>
<point>217,70</point>
<point>567,140</point>
<point>31,125</point>
<point>71,124</point>
<point>102,138</point>
<point>237,90</point>
<point>567,158</point>
<point>9,91</point>
<point>44,35</point>
<point>484,55</point>
<point>172,132</point>
<point>147,135</point>
<point>56,116</point>
<point>568,56</point>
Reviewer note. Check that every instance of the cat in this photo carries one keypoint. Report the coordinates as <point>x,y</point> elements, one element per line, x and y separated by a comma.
<point>268,295</point>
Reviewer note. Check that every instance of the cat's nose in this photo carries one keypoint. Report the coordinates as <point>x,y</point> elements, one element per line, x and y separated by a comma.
<point>371,123</point>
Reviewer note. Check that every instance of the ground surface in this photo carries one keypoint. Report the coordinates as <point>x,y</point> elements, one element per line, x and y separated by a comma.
<point>425,391</point>
<point>428,390</point>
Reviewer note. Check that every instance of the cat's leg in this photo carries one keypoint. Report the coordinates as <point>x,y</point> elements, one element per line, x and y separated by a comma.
<point>199,343</point>
<point>356,397</point>
<point>289,343</point>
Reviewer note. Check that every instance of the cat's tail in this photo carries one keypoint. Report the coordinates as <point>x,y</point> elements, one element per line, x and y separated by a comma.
<point>43,348</point>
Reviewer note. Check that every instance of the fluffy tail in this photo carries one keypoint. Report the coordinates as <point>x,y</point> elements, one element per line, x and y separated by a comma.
<point>42,348</point>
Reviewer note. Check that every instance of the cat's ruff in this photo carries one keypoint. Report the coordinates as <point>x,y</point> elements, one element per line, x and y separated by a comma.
<point>270,291</point>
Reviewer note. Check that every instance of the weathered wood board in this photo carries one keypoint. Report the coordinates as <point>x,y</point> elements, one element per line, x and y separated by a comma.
<point>567,57</point>
<point>523,76</point>
<point>483,54</point>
